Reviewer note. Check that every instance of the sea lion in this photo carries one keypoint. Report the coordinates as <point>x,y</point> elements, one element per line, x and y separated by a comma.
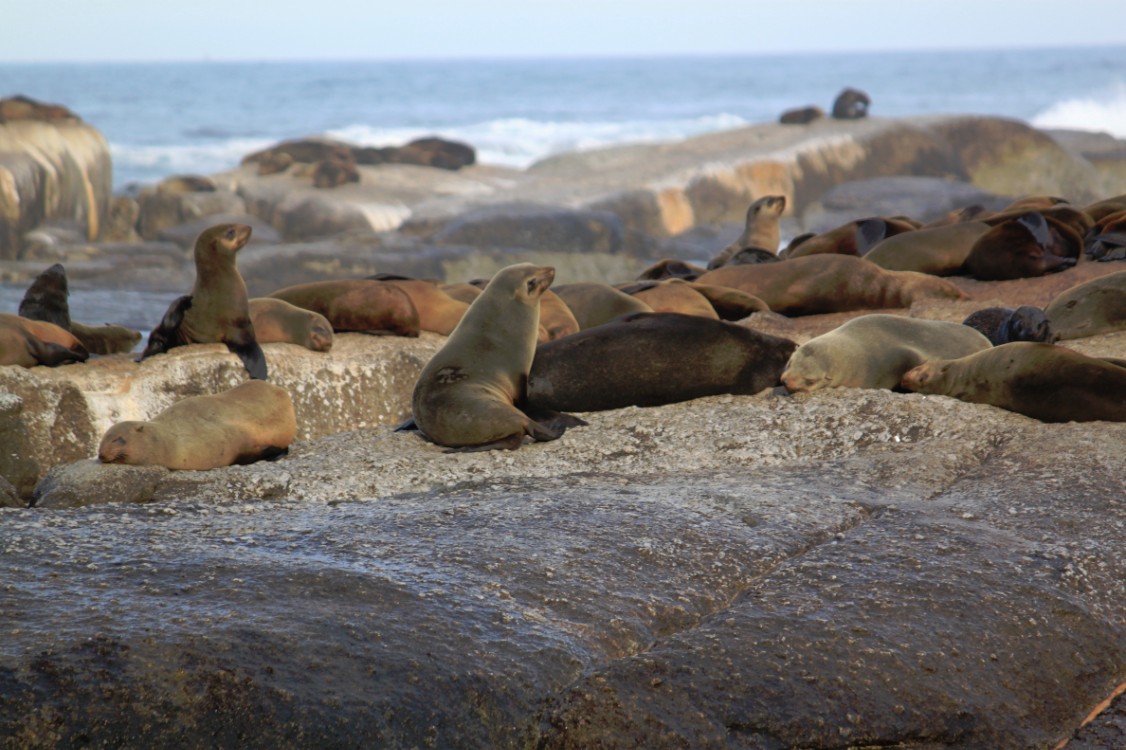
<point>851,238</point>
<point>873,351</point>
<point>1106,240</point>
<point>556,318</point>
<point>761,230</point>
<point>941,251</point>
<point>957,216</point>
<point>360,305</point>
<point>1093,307</point>
<point>1003,325</point>
<point>252,421</point>
<point>437,311</point>
<point>648,359</point>
<point>801,115</point>
<point>467,394</point>
<point>278,321</point>
<point>1042,381</point>
<point>47,300</point>
<point>851,104</point>
<point>593,303</point>
<point>1100,209</point>
<point>671,268</point>
<point>831,283</point>
<point>217,310</point>
<point>1019,248</point>
<point>28,343</point>
<point>107,338</point>
<point>463,291</point>
<point>692,298</point>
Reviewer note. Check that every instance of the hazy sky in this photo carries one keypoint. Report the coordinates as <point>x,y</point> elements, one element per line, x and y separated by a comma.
<point>69,30</point>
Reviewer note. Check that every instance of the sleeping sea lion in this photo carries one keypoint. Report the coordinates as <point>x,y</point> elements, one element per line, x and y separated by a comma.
<point>1020,248</point>
<point>359,305</point>
<point>437,311</point>
<point>1106,240</point>
<point>851,238</point>
<point>671,268</point>
<point>593,303</point>
<point>941,251</point>
<point>1003,325</point>
<point>217,310</point>
<point>1042,381</point>
<point>693,298</point>
<point>874,351</point>
<point>252,421</point>
<point>648,359</point>
<point>278,321</point>
<point>1095,306</point>
<point>28,343</point>
<point>761,230</point>
<point>467,394</point>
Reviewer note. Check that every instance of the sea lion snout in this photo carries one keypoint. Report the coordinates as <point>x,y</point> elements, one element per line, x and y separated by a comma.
<point>540,280</point>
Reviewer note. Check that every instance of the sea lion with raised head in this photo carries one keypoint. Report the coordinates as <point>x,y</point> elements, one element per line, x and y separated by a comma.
<point>649,359</point>
<point>277,321</point>
<point>469,394</point>
<point>47,300</point>
<point>1042,381</point>
<point>356,305</point>
<point>873,351</point>
<point>28,343</point>
<point>761,230</point>
<point>218,309</point>
<point>250,422</point>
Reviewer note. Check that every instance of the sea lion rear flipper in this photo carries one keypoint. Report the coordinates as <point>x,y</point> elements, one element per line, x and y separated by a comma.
<point>246,348</point>
<point>547,424</point>
<point>53,355</point>
<point>167,335</point>
<point>407,425</point>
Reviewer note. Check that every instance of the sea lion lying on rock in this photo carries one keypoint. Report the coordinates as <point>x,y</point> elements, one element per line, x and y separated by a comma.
<point>1095,306</point>
<point>1003,325</point>
<point>28,343</point>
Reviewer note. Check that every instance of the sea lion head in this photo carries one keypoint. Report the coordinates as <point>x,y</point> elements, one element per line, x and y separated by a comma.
<point>925,377</point>
<point>320,333</point>
<point>807,370</point>
<point>768,205</point>
<point>222,239</point>
<point>526,282</point>
<point>1029,323</point>
<point>124,443</point>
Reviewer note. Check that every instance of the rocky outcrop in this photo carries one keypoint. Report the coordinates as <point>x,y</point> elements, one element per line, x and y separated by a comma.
<point>53,166</point>
<point>182,199</point>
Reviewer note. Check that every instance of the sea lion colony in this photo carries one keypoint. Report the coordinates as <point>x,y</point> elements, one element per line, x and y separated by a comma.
<point>667,336</point>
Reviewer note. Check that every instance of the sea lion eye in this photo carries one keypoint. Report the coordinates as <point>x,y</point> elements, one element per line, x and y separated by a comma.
<point>531,285</point>
<point>230,233</point>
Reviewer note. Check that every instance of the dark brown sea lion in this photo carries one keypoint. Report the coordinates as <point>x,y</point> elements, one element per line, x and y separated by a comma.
<point>1042,381</point>
<point>851,238</point>
<point>1003,325</point>
<point>217,310</point>
<point>1106,240</point>
<point>941,251</point>
<point>648,359</point>
<point>801,115</point>
<point>250,422</point>
<point>28,343</point>
<point>1105,207</point>
<point>1093,307</point>
<point>47,300</point>
<point>874,351</point>
<point>761,230</point>
<point>360,305</point>
<point>831,283</point>
<point>593,303</point>
<point>1020,248</point>
<point>277,321</point>
<point>467,394</point>
<point>851,104</point>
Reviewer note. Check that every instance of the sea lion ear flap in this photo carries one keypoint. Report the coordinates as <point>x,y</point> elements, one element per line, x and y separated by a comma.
<point>869,233</point>
<point>1035,223</point>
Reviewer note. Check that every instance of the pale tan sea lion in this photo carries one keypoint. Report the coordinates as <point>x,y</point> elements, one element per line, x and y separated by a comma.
<point>593,303</point>
<point>217,310</point>
<point>941,251</point>
<point>28,343</point>
<point>1042,381</point>
<point>359,305</point>
<point>466,396</point>
<point>761,230</point>
<point>874,351</point>
<point>278,321</point>
<point>1093,307</point>
<point>463,291</point>
<point>831,283</point>
<point>671,295</point>
<point>556,318</point>
<point>247,423</point>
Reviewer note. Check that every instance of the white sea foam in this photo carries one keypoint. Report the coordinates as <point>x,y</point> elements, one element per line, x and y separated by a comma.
<point>1101,112</point>
<point>151,163</point>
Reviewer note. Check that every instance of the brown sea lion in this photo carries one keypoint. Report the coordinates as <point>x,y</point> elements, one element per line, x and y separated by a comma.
<point>28,343</point>
<point>250,422</point>
<point>851,104</point>
<point>360,305</point>
<point>1003,325</point>
<point>593,303</point>
<point>801,115</point>
<point>851,238</point>
<point>467,394</point>
<point>874,351</point>
<point>1042,381</point>
<point>217,310</point>
<point>693,298</point>
<point>761,230</point>
<point>1106,240</point>
<point>1020,248</point>
<point>47,300</point>
<point>671,268</point>
<point>831,283</point>
<point>941,251</point>
<point>556,318</point>
<point>437,311</point>
<point>957,216</point>
<point>1100,209</point>
<point>107,338</point>
<point>462,291</point>
<point>648,359</point>
<point>1093,307</point>
<point>278,321</point>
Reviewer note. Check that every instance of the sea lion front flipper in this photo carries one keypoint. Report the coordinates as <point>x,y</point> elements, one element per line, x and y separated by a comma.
<point>407,425</point>
<point>167,335</point>
<point>52,355</point>
<point>546,424</point>
<point>869,233</point>
<point>245,346</point>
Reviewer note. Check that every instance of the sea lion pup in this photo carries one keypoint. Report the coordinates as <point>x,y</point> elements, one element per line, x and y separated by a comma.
<point>851,238</point>
<point>1093,307</point>
<point>247,423</point>
<point>1107,239</point>
<point>941,251</point>
<point>46,300</point>
<point>1003,325</point>
<point>218,309</point>
<point>671,268</point>
<point>831,283</point>
<point>761,230</point>
<point>593,303</point>
<point>1019,248</point>
<point>649,359</point>
<point>437,311</point>
<point>356,305</point>
<point>467,394</point>
<point>689,298</point>
<point>278,321</point>
<point>28,343</point>
<point>874,351</point>
<point>1042,381</point>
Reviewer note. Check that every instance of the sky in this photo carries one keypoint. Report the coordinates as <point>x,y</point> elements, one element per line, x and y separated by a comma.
<point>193,30</point>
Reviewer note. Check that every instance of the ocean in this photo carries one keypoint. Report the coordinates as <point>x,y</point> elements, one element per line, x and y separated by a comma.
<point>199,118</point>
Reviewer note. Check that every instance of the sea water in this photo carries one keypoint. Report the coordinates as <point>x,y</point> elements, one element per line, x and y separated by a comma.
<point>199,118</point>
